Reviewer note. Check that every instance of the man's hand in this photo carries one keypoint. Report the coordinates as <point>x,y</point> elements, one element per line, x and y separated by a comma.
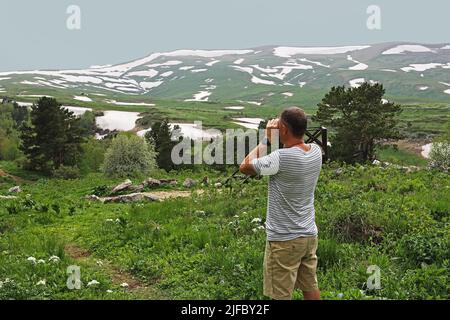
<point>271,125</point>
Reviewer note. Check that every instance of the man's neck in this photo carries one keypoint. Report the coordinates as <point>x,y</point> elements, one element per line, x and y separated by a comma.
<point>294,143</point>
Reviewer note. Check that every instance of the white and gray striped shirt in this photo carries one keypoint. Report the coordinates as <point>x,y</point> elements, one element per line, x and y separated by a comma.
<point>293,178</point>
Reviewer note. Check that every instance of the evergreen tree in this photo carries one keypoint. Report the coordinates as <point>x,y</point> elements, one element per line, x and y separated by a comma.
<point>54,137</point>
<point>160,136</point>
<point>360,119</point>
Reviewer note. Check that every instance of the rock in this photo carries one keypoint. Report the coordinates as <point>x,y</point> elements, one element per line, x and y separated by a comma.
<point>189,183</point>
<point>8,197</point>
<point>15,189</point>
<point>376,162</point>
<point>152,183</point>
<point>168,182</point>
<point>218,185</point>
<point>133,197</point>
<point>92,197</point>
<point>123,186</point>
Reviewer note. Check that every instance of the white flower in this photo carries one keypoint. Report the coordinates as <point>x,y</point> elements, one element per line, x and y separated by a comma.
<point>54,259</point>
<point>32,260</point>
<point>109,220</point>
<point>256,220</point>
<point>109,291</point>
<point>41,261</point>
<point>124,285</point>
<point>236,216</point>
<point>117,220</point>
<point>41,283</point>
<point>93,283</point>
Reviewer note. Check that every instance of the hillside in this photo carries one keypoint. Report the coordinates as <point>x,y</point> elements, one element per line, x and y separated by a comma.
<point>267,75</point>
<point>210,245</point>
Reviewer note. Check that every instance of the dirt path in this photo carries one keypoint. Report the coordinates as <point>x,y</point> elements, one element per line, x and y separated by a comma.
<point>172,194</point>
<point>17,180</point>
<point>118,277</point>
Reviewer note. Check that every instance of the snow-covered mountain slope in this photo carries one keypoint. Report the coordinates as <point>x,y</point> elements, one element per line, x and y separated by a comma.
<point>416,71</point>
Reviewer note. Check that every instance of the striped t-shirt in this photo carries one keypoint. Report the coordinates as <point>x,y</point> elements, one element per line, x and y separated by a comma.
<point>293,178</point>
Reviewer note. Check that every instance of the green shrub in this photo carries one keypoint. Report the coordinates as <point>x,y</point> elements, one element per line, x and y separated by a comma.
<point>129,156</point>
<point>66,173</point>
<point>93,155</point>
<point>440,155</point>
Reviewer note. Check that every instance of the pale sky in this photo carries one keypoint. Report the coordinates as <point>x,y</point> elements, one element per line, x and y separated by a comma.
<point>34,35</point>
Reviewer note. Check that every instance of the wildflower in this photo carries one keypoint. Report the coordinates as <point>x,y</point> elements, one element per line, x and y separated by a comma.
<point>41,283</point>
<point>93,283</point>
<point>32,260</point>
<point>54,259</point>
<point>41,261</point>
<point>256,220</point>
<point>124,285</point>
<point>117,220</point>
<point>236,216</point>
<point>109,291</point>
<point>109,220</point>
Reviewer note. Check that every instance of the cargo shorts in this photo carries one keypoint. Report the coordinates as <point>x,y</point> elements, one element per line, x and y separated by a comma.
<point>288,265</point>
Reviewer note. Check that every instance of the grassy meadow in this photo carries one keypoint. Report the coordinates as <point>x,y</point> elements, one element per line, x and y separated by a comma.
<point>211,245</point>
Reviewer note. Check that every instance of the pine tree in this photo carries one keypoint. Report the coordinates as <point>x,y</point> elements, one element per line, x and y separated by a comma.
<point>160,136</point>
<point>360,119</point>
<point>54,137</point>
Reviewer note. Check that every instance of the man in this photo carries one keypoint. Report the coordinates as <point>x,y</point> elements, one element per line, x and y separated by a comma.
<point>290,259</point>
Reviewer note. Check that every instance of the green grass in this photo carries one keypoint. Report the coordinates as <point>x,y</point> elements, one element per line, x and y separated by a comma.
<point>207,246</point>
<point>401,157</point>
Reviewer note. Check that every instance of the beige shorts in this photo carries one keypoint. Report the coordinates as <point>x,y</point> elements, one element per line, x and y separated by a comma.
<point>288,265</point>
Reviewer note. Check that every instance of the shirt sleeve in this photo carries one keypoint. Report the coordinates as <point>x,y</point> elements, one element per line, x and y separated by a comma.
<point>268,165</point>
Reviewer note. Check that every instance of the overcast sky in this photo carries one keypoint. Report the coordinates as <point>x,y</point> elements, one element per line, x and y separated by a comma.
<point>34,35</point>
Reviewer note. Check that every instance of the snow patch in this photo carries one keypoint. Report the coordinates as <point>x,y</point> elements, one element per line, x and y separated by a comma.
<point>119,103</point>
<point>238,61</point>
<point>117,120</point>
<point>407,48</point>
<point>249,123</point>
<point>201,96</point>
<point>420,67</point>
<point>147,73</point>
<point>356,83</point>
<point>288,52</point>
<point>359,65</point>
<point>82,98</point>
<point>150,85</point>
<point>211,63</point>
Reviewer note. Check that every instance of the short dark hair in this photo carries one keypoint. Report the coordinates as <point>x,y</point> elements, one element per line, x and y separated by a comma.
<point>296,120</point>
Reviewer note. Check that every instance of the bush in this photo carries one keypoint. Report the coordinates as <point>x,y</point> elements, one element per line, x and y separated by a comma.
<point>66,173</point>
<point>93,155</point>
<point>129,156</point>
<point>440,155</point>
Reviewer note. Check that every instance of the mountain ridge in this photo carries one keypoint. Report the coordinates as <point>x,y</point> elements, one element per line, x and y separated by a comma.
<point>407,69</point>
